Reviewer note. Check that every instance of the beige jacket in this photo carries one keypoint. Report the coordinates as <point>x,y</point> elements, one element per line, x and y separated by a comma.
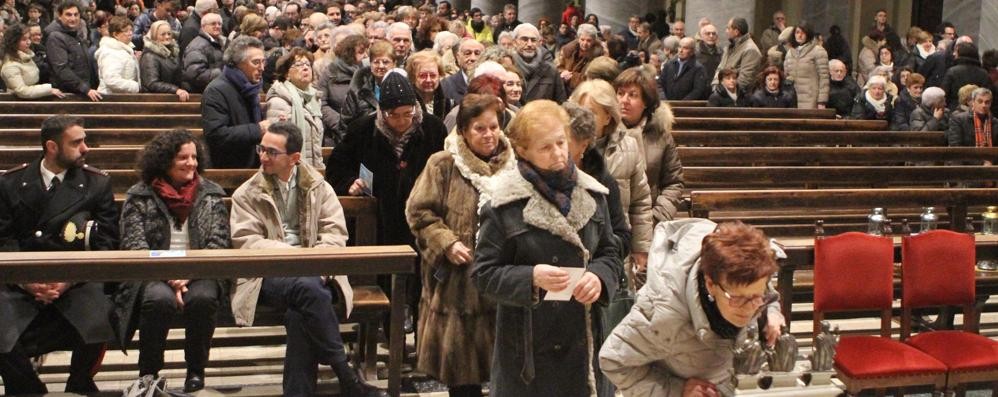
<point>256,224</point>
<point>664,170</point>
<point>807,67</point>
<point>625,159</point>
<point>744,57</point>
<point>867,60</point>
<point>21,76</point>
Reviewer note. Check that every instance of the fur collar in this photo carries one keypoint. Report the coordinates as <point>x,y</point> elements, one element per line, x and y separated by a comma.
<point>170,51</point>
<point>22,56</point>
<point>509,186</point>
<point>475,170</point>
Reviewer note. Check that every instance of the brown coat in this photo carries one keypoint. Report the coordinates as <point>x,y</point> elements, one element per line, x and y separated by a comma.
<point>575,61</point>
<point>665,172</point>
<point>457,322</point>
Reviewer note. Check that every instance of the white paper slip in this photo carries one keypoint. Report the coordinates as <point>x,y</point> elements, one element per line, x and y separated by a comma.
<point>574,274</point>
<point>167,254</point>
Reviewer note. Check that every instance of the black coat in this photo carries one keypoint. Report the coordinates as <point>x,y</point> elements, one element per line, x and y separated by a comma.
<point>785,98</point>
<point>545,83</point>
<point>709,57</point>
<point>842,95</point>
<point>864,110</point>
<point>230,130</point>
<point>394,176</point>
<point>71,67</point>
<point>190,29</point>
<point>935,67</point>
<point>903,107</point>
<point>360,100</point>
<point>961,130</point>
<point>691,84</point>
<point>964,71</point>
<point>594,164</point>
<point>441,105</point>
<point>721,99</point>
<point>159,73</point>
<point>455,87</point>
<point>202,62</point>
<point>30,221</point>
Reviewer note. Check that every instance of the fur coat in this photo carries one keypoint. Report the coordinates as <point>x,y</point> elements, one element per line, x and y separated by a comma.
<point>457,322</point>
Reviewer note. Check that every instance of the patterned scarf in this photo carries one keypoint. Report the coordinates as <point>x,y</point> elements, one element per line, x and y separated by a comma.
<point>179,202</point>
<point>982,131</point>
<point>555,186</point>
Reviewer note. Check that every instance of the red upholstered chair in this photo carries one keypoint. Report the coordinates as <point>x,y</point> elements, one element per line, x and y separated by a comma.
<point>853,272</point>
<point>938,269</point>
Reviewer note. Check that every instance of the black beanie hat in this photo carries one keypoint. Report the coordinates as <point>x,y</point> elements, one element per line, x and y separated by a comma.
<point>396,91</point>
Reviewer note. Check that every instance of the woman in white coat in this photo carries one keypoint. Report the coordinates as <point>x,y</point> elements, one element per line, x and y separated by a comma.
<point>19,71</point>
<point>117,65</point>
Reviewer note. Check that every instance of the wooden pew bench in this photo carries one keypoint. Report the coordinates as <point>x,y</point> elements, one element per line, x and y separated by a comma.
<point>145,97</point>
<point>780,124</point>
<point>742,137</point>
<point>96,137</point>
<point>107,158</point>
<point>852,176</point>
<point>748,113</point>
<point>84,109</point>
<point>161,121</point>
<point>809,155</point>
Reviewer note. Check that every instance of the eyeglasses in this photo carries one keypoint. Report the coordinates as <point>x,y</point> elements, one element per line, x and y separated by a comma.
<point>427,76</point>
<point>739,301</point>
<point>270,152</point>
<point>527,39</point>
<point>382,62</point>
<point>710,33</point>
<point>301,65</point>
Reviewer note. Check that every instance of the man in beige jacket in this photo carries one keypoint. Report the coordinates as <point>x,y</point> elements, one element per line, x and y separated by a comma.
<point>289,204</point>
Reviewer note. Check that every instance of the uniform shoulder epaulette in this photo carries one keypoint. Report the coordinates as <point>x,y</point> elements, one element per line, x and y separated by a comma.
<point>15,169</point>
<point>91,169</point>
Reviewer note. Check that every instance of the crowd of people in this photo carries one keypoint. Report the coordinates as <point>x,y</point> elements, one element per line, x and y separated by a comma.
<point>518,159</point>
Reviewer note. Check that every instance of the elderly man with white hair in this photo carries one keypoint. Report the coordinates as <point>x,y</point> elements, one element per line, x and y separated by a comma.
<point>202,59</point>
<point>541,78</point>
<point>192,26</point>
<point>577,54</point>
<point>683,78</point>
<point>467,54</point>
<point>400,35</point>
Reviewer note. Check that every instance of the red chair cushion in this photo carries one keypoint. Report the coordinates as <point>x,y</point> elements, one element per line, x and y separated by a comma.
<point>877,357</point>
<point>853,271</point>
<point>960,351</point>
<point>938,269</point>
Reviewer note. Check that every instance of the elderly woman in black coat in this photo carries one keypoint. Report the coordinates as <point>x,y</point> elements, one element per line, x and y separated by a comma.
<point>173,208</point>
<point>874,103</point>
<point>159,66</point>
<point>546,253</point>
<point>771,92</point>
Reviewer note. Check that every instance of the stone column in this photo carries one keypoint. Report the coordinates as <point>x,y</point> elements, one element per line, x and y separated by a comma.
<point>531,11</point>
<point>976,18</point>
<point>488,7</point>
<point>719,12</point>
<point>616,12</point>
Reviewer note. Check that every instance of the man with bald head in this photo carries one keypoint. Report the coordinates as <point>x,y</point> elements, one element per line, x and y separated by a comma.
<point>541,79</point>
<point>203,57</point>
<point>683,78</point>
<point>708,52</point>
<point>467,54</point>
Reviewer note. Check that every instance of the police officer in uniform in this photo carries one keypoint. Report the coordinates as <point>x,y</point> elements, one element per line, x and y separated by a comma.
<point>55,203</point>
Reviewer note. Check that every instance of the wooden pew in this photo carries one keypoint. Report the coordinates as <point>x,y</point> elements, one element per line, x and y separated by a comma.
<point>697,103</point>
<point>732,156</point>
<point>163,121</point>
<point>742,137</point>
<point>96,137</point>
<point>749,113</point>
<point>146,97</point>
<point>112,157</point>
<point>784,124</point>
<point>104,107</point>
<point>23,267</point>
<point>856,176</point>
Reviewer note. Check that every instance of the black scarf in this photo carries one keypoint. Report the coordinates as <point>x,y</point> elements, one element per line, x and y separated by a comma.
<point>477,26</point>
<point>718,324</point>
<point>249,91</point>
<point>555,186</point>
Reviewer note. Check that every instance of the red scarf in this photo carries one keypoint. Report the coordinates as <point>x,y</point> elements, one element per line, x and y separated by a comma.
<point>982,131</point>
<point>178,202</point>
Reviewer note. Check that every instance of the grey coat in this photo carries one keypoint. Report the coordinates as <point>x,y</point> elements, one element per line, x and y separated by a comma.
<point>543,348</point>
<point>145,225</point>
<point>922,119</point>
<point>744,56</point>
<point>961,130</point>
<point>202,62</point>
<point>334,86</point>
<point>360,100</point>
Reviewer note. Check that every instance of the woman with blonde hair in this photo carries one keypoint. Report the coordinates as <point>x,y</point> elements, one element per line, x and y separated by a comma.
<point>425,70</point>
<point>159,65</point>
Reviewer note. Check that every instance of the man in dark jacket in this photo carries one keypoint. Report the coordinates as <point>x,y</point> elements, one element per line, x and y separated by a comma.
<point>630,34</point>
<point>966,69</point>
<point>542,79</point>
<point>683,78</point>
<point>72,69</point>
<point>842,89</point>
<point>936,64</point>
<point>509,21</point>
<point>37,201</point>
<point>456,85</point>
<point>708,53</point>
<point>203,56</point>
<point>230,106</point>
<point>976,127</point>
<point>192,26</point>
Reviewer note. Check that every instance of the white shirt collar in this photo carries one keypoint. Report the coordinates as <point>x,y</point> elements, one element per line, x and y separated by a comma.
<point>47,175</point>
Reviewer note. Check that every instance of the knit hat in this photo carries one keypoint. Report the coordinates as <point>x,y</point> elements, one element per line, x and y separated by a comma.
<point>396,90</point>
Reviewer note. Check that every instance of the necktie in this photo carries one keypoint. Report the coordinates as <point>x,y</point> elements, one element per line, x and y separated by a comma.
<point>53,186</point>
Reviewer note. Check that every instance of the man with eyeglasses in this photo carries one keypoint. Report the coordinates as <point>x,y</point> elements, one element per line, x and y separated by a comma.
<point>705,284</point>
<point>287,204</point>
<point>203,57</point>
<point>542,80</point>
<point>771,36</point>
<point>708,53</point>
<point>466,53</point>
<point>631,33</point>
<point>230,106</point>
<point>400,35</point>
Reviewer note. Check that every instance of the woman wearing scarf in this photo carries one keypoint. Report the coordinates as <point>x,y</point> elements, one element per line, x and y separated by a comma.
<point>230,106</point>
<point>457,322</point>
<point>546,253</point>
<point>874,103</point>
<point>173,208</point>
<point>160,62</point>
<point>806,67</point>
<point>365,87</point>
<point>293,98</point>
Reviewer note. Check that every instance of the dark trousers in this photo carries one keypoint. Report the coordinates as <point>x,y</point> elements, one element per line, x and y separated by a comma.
<point>312,327</point>
<point>159,307</point>
<point>48,332</point>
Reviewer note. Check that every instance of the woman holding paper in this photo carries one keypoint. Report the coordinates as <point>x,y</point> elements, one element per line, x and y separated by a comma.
<point>546,253</point>
<point>173,208</point>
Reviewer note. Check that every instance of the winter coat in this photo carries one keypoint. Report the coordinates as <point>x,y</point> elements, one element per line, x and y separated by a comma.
<point>117,67</point>
<point>664,170</point>
<point>575,61</point>
<point>964,71</point>
<point>544,83</point>
<point>903,107</point>
<point>690,84</point>
<point>784,98</point>
<point>202,62</point>
<point>394,177</point>
<point>229,128</point>
<point>457,322</point>
<point>455,87</point>
<point>71,67</point>
<point>867,60</point>
<point>145,21</point>
<point>160,68</point>
<point>961,130</point>
<point>864,110</point>
<point>934,68</point>
<point>20,74</point>
<point>334,87</point>
<point>360,100</point>
<point>923,119</point>
<point>709,57</point>
<point>807,67</point>
<point>666,338</point>
<point>625,160</point>
<point>280,103</point>
<point>744,56</point>
<point>190,29</point>
<point>543,348</point>
<point>842,95</point>
<point>256,224</point>
<point>770,37</point>
<point>146,224</point>
<point>721,98</point>
<point>594,164</point>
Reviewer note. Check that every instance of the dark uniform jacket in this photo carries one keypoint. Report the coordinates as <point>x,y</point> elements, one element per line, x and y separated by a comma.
<point>31,221</point>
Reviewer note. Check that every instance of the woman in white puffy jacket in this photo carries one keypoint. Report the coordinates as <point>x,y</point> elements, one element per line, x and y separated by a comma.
<point>20,73</point>
<point>117,65</point>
